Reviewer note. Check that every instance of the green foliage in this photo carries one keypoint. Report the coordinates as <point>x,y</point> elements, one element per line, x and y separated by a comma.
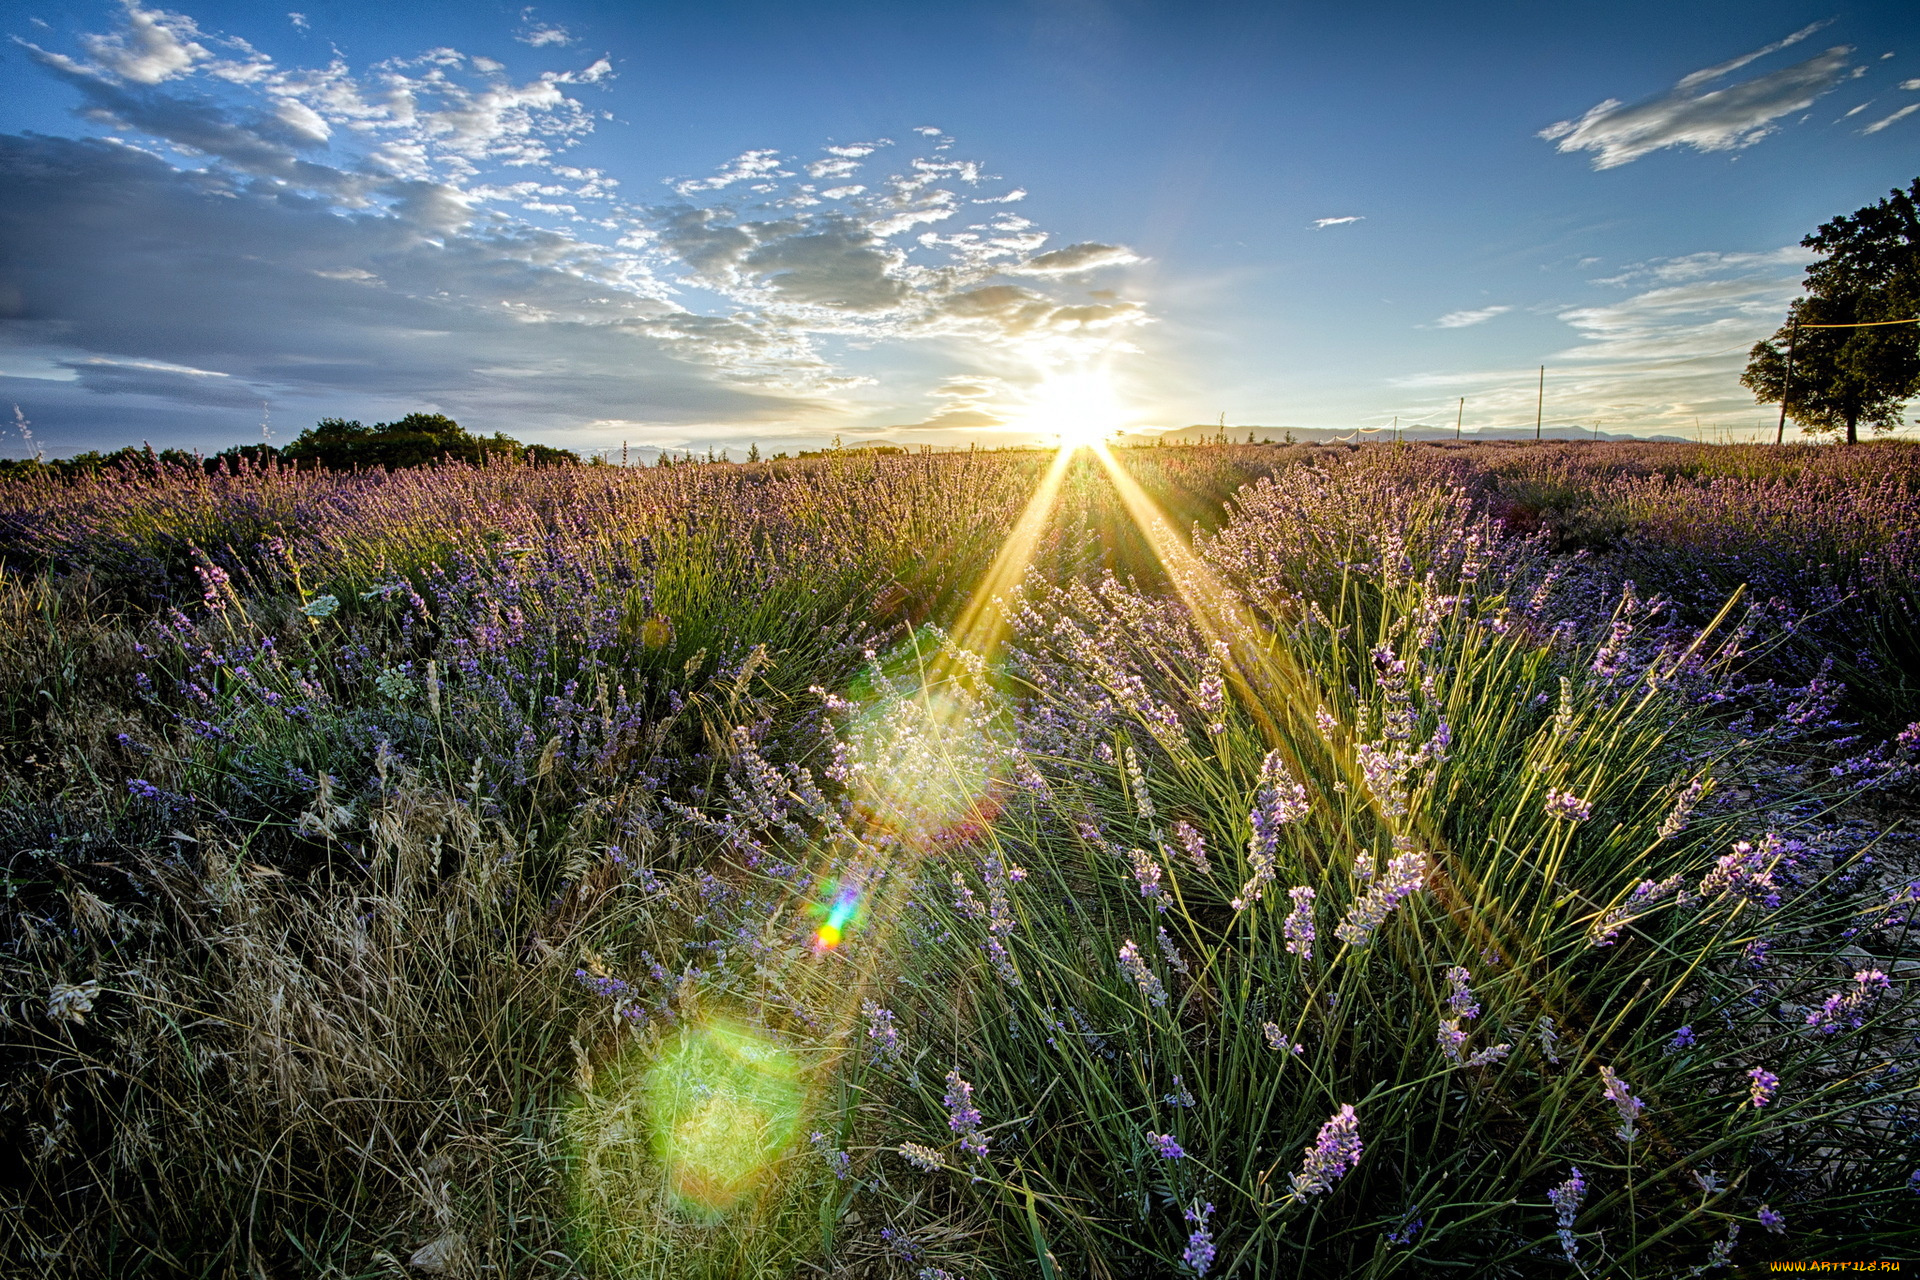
<point>415,440</point>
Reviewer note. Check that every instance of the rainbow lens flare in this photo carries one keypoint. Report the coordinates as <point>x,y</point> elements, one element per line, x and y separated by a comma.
<point>840,909</point>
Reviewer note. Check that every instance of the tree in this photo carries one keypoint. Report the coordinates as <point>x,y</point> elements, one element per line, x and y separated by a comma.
<point>1868,273</point>
<point>415,440</point>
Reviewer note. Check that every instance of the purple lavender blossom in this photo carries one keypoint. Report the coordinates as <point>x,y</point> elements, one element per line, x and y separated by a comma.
<point>1298,927</point>
<point>1405,873</point>
<point>1608,924</point>
<point>1410,1225</point>
<point>1677,818</point>
<point>883,1033</point>
<point>962,1117</point>
<point>1460,1001</point>
<point>1165,1147</point>
<point>1682,1039</point>
<point>1623,1102</point>
<point>1847,1008</point>
<point>1773,1221</point>
<point>1566,1200</point>
<point>1135,967</point>
<point>1146,874</point>
<point>1567,806</point>
<point>1199,1252</point>
<point>838,1161</point>
<point>1277,1040</point>
<point>1281,799</point>
<point>1761,1085</point>
<point>1335,1151</point>
<point>1195,846</point>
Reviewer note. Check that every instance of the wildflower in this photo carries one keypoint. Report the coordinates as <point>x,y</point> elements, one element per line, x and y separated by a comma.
<point>1566,1199</point>
<point>962,1116</point>
<point>141,789</point>
<point>1549,1041</point>
<point>1146,874</point>
<point>1137,784</point>
<point>1180,1097</point>
<point>1195,846</point>
<point>1608,924</point>
<point>1761,1085</point>
<point>1175,961</point>
<point>1676,819</point>
<point>1298,927</point>
<point>1721,1254</point>
<point>1405,873</point>
<point>1773,1221</point>
<point>1277,1041</point>
<point>921,1157</point>
<point>72,1002</point>
<point>1747,872</point>
<point>838,1161</point>
<point>1567,806</point>
<point>1334,1152</point>
<point>1451,1038</point>
<point>1847,1007</point>
<point>1623,1101</point>
<point>1460,996</point>
<point>1144,978</point>
<point>1165,1147</point>
<point>1200,1250</point>
<point>900,1244</point>
<point>1410,1225</point>
<point>1913,1182</point>
<point>1564,714</point>
<point>882,1031</point>
<point>1682,1039</point>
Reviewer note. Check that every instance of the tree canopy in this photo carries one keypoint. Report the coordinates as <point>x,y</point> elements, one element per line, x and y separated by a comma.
<point>1868,274</point>
<point>414,440</point>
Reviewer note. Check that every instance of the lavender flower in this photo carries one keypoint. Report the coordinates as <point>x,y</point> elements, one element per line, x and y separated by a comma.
<point>1298,927</point>
<point>1566,1200</point>
<point>1773,1221</point>
<point>962,1117</point>
<point>883,1033</point>
<point>1165,1147</point>
<point>1682,1039</point>
<point>1181,1095</point>
<point>1169,949</point>
<point>1410,1224</point>
<point>1623,1101</point>
<point>1144,978</point>
<point>1280,799</point>
<point>1405,873</point>
<point>1847,1008</point>
<point>1277,1041</point>
<point>1549,1041</point>
<point>1333,1154</point>
<point>1567,806</point>
<point>1676,819</point>
<point>838,1161</point>
<point>1460,1001</point>
<point>1195,846</point>
<point>1199,1252</point>
<point>1146,874</point>
<point>920,1157</point>
<point>1608,924</point>
<point>1761,1085</point>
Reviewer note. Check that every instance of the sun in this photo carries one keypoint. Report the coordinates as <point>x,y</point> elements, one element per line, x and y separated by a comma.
<point>1077,408</point>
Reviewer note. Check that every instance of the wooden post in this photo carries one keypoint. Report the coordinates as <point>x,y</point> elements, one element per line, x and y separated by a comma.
<point>1786,383</point>
<point>1540,404</point>
<point>1459,416</point>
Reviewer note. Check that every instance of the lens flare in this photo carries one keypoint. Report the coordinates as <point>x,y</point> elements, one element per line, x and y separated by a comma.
<point>722,1102</point>
<point>840,908</point>
<point>1078,408</point>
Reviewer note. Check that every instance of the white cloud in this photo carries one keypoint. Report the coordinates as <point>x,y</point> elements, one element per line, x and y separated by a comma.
<point>746,166</point>
<point>154,46</point>
<point>545,34</point>
<point>1018,193</point>
<point>1322,223</point>
<point>1076,258</point>
<point>1696,266</point>
<point>1910,84</point>
<point>1736,116</point>
<point>299,21</point>
<point>1461,319</point>
<point>1882,123</point>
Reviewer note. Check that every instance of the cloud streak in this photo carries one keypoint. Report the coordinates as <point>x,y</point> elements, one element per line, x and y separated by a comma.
<point>1725,119</point>
<point>1321,224</point>
<point>1462,319</point>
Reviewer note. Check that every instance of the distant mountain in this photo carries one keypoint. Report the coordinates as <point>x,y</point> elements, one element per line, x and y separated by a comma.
<point>1209,433</point>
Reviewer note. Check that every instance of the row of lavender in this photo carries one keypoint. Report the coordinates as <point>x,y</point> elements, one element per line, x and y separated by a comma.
<point>1389,906</point>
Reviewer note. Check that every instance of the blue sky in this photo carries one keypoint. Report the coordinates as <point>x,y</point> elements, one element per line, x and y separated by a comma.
<point>691,225</point>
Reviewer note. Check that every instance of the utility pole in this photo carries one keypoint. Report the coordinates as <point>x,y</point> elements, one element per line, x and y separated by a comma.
<point>1459,417</point>
<point>1396,428</point>
<point>1786,383</point>
<point>1540,404</point>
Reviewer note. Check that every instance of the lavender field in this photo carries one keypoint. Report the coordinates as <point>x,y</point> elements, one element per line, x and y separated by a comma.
<point>1497,860</point>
